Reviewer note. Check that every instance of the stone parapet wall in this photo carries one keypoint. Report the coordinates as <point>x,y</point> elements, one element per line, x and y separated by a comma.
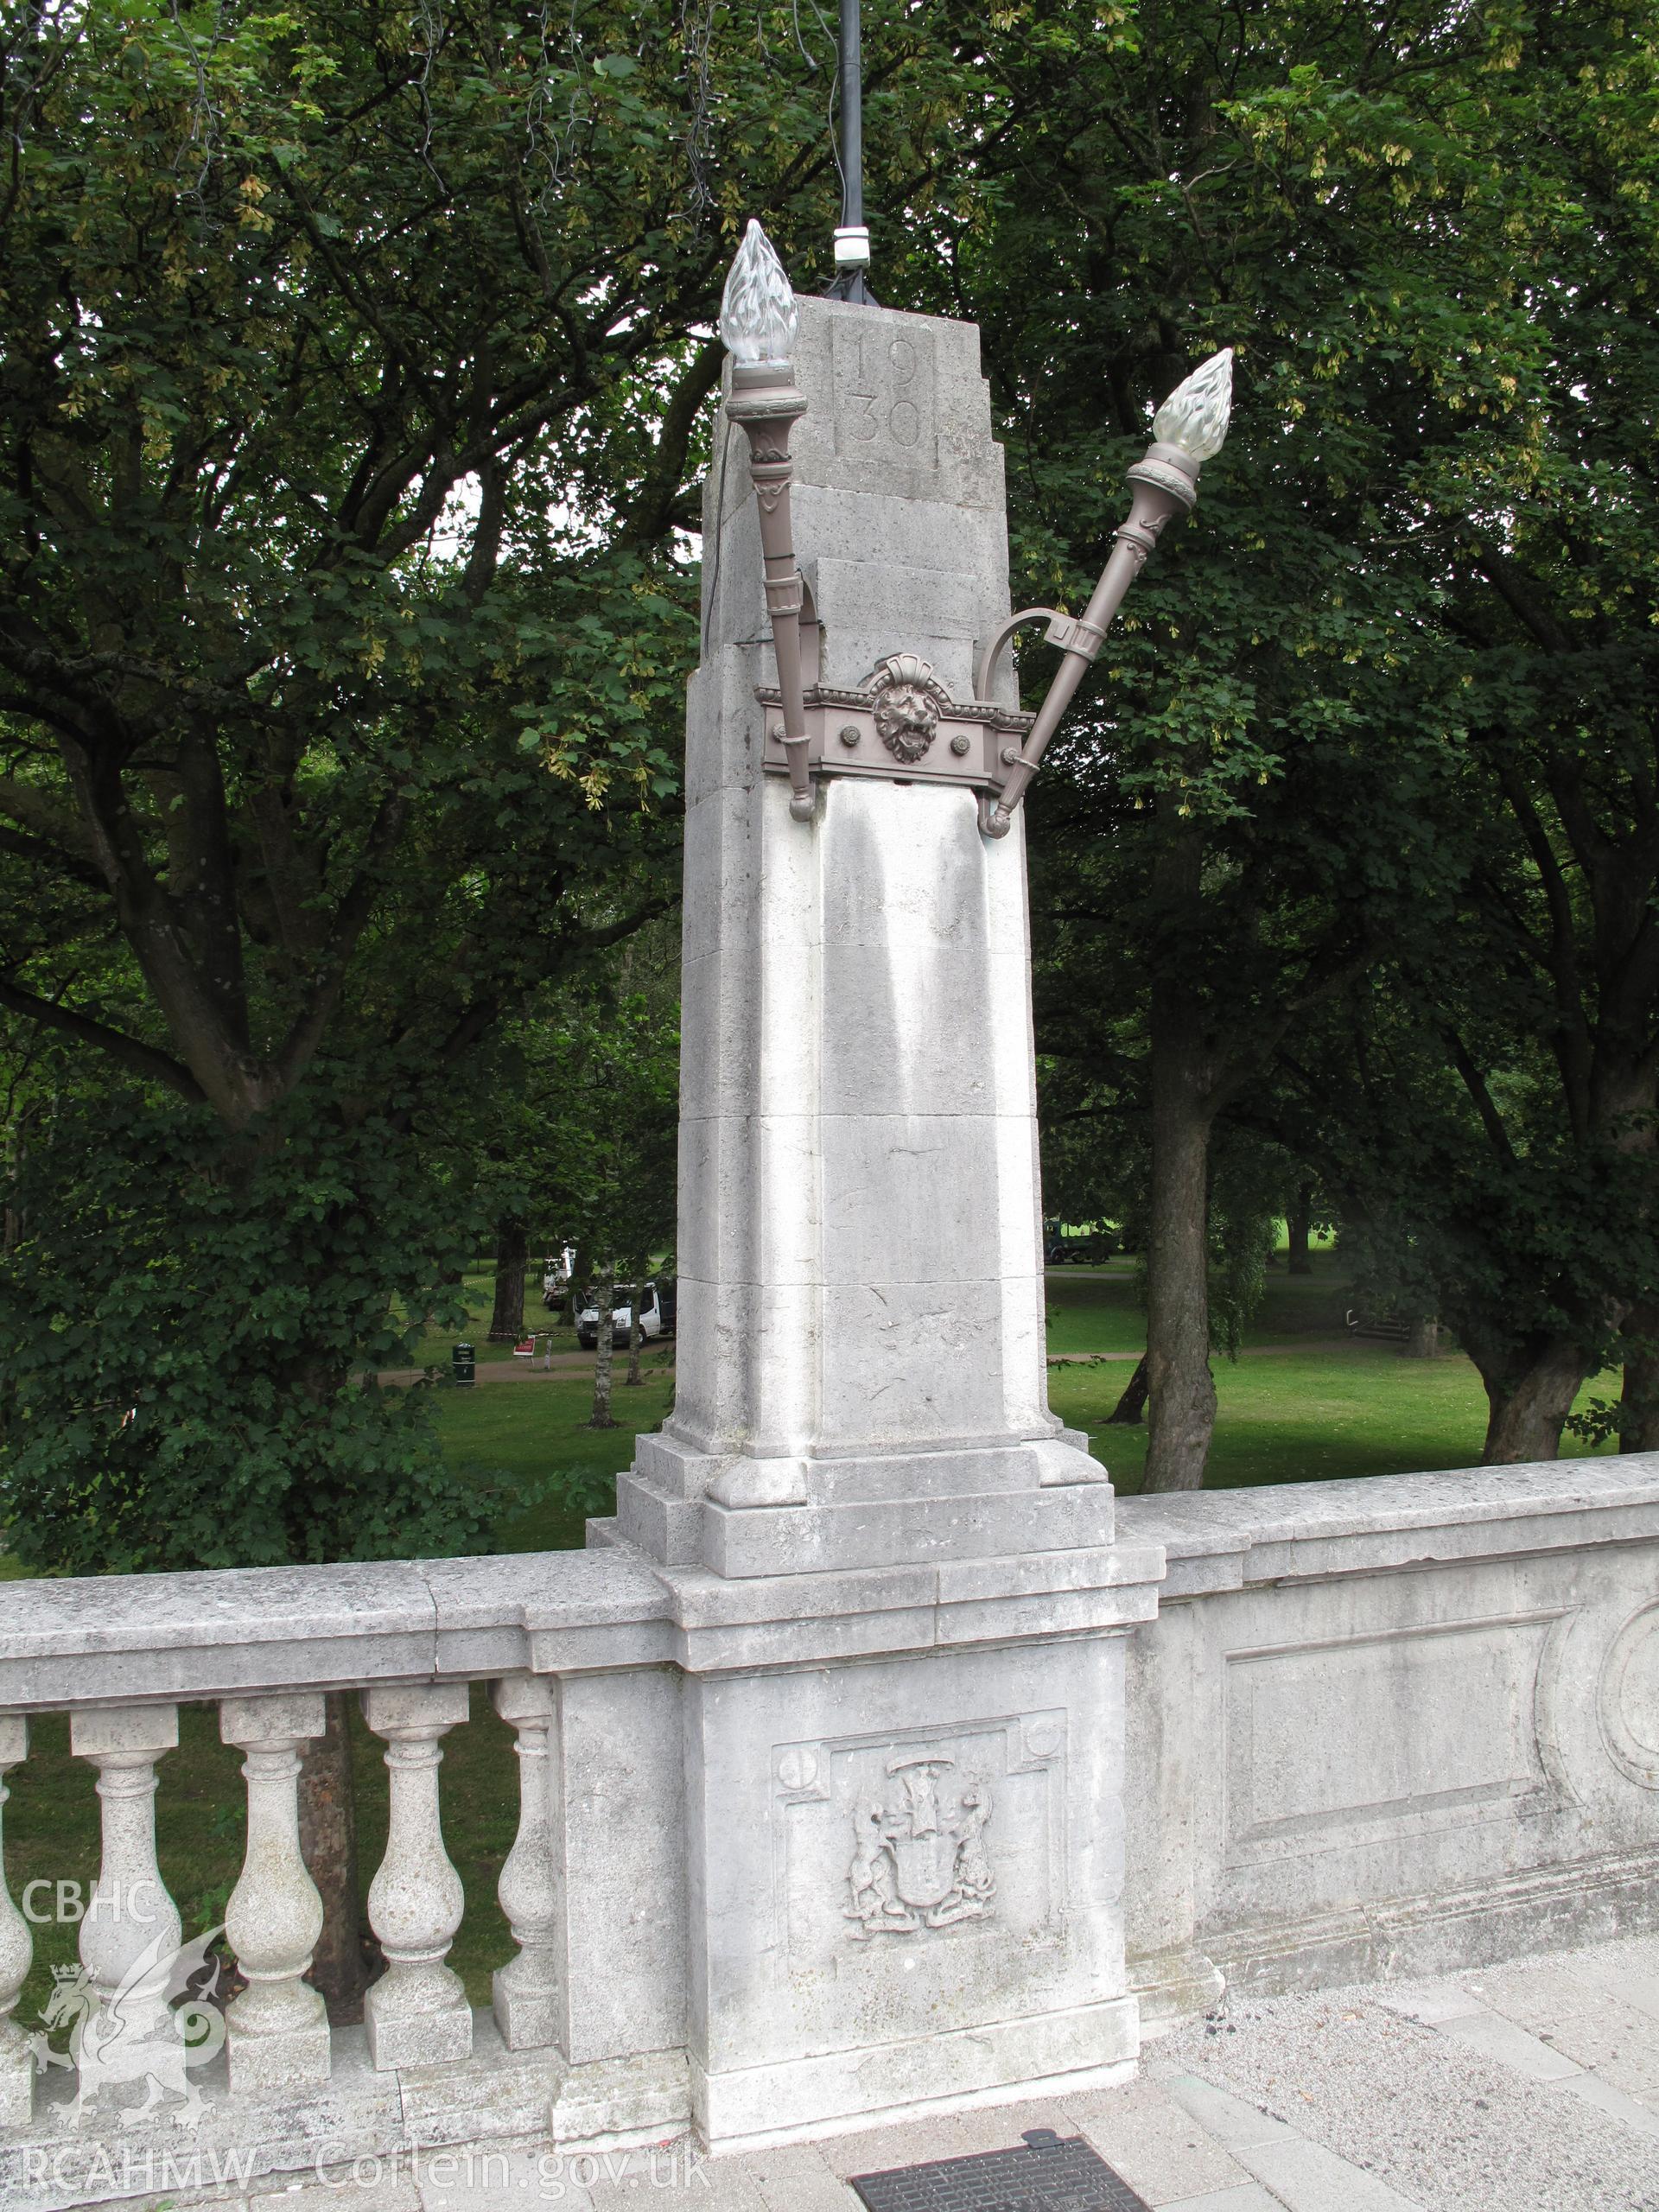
<point>1392,1726</point>
<point>645,1701</point>
<point>1395,1725</point>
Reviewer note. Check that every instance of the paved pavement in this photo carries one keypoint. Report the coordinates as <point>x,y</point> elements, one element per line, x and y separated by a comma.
<point>1530,2088</point>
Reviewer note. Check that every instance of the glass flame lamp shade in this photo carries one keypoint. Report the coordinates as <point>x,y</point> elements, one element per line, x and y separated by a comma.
<point>757,314</point>
<point>1195,414</point>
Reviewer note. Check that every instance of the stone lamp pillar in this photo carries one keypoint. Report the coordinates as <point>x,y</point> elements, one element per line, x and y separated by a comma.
<point>860,1362</point>
<point>899,1605</point>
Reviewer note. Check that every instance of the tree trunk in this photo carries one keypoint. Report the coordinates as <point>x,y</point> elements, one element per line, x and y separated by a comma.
<point>512,1254</point>
<point>328,1845</point>
<point>1639,1404</point>
<point>636,1330</point>
<point>1422,1338</point>
<point>1126,1412</point>
<point>1298,1225</point>
<point>1181,1391</point>
<point>1528,1406</point>
<point>604,1299</point>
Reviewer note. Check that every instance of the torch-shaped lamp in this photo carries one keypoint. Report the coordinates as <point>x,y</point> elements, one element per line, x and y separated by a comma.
<point>903,708</point>
<point>1188,429</point>
<point>757,321</point>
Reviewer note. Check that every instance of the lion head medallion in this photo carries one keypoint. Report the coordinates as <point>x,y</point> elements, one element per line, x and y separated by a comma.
<point>907,700</point>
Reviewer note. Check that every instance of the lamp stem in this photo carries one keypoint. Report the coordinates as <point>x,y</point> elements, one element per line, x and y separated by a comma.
<point>852,240</point>
<point>1163,485</point>
<point>852,114</point>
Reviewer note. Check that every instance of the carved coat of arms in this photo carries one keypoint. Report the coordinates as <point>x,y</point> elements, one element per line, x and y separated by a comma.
<point>920,1857</point>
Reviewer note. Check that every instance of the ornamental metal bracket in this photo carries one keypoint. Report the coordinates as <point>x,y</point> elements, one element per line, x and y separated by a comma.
<point>903,724</point>
<point>1064,630</point>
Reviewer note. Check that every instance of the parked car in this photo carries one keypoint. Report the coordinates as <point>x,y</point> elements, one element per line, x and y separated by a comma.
<point>1087,1249</point>
<point>657,1306</point>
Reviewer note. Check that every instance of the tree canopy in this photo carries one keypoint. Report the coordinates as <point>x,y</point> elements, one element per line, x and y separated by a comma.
<point>356,367</point>
<point>352,365</point>
<point>1353,841</point>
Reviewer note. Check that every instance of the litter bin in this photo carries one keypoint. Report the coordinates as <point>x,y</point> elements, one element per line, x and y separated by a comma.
<point>463,1366</point>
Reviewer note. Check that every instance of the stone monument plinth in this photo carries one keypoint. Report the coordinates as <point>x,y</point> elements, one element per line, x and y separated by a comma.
<point>900,1605</point>
<point>860,1364</point>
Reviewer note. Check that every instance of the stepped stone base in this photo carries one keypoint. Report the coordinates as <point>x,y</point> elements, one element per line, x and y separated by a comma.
<point>1051,2053</point>
<point>742,1517</point>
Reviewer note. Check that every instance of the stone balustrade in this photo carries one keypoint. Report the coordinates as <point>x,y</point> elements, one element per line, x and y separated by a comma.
<point>1400,1725</point>
<point>286,2094</point>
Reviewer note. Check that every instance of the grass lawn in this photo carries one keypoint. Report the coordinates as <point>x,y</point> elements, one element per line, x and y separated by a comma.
<point>1094,1309</point>
<point>534,1431</point>
<point>478,1288</point>
<point>1336,1408</point>
<point>1305,1416</point>
<point>1099,1310</point>
<point>1316,1411</point>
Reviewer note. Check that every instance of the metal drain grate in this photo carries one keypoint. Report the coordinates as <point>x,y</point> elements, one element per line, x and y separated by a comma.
<point>1048,2173</point>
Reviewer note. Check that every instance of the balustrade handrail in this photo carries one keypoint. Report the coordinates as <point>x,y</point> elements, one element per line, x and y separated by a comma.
<point>1474,1508</point>
<point>91,1641</point>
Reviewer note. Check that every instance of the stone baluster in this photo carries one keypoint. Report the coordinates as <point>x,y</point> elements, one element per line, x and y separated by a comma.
<point>132,1931</point>
<point>417,2014</point>
<point>17,1951</point>
<point>529,1991</point>
<point>277,2032</point>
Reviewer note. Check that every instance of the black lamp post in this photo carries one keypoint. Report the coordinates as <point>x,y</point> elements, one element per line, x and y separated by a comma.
<point>851,238</point>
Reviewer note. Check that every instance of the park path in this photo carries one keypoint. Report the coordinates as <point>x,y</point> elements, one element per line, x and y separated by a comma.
<point>567,1363</point>
<point>564,1363</point>
<point>1246,1351</point>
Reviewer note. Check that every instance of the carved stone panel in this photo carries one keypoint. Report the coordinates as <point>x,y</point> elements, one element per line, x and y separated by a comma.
<point>1344,1743</point>
<point>898,1844</point>
<point>885,387</point>
<point>920,1855</point>
<point>1628,1698</point>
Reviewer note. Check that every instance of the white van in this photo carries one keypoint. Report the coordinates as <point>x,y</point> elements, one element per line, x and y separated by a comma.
<point>657,1305</point>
